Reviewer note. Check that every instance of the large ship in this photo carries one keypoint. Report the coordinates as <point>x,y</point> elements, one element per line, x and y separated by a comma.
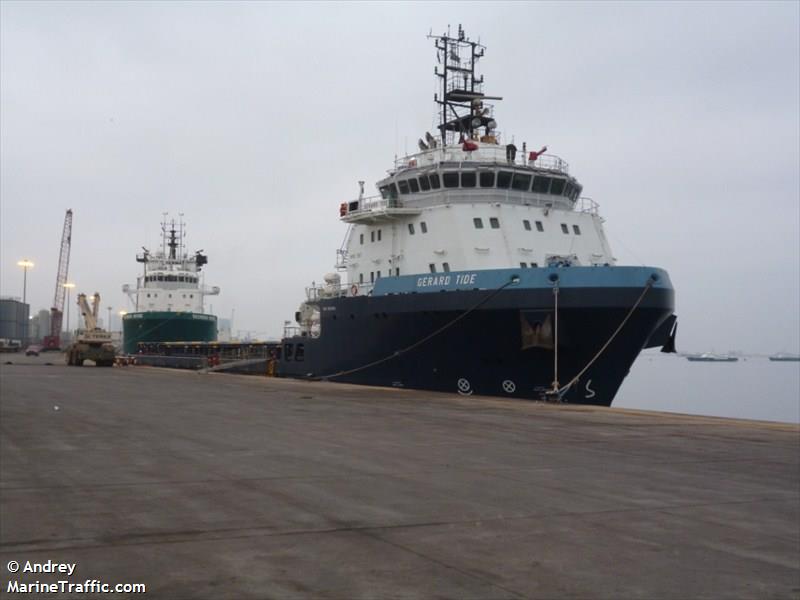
<point>169,294</point>
<point>478,269</point>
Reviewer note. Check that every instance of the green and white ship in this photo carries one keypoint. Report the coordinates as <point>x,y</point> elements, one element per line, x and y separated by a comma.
<point>169,295</point>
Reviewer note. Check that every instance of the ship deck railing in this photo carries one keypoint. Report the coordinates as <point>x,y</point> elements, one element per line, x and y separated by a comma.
<point>454,156</point>
<point>377,208</point>
<point>315,292</point>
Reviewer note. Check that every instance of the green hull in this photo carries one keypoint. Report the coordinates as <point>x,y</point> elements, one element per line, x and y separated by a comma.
<point>166,327</point>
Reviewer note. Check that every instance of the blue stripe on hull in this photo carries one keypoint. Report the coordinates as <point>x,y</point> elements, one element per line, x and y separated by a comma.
<point>538,278</point>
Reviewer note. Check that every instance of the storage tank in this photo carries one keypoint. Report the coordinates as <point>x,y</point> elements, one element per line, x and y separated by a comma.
<point>13,319</point>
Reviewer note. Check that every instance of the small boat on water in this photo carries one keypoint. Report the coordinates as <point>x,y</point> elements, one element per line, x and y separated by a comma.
<point>784,357</point>
<point>709,357</point>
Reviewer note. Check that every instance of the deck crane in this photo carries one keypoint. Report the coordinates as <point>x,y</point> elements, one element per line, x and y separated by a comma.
<point>53,341</point>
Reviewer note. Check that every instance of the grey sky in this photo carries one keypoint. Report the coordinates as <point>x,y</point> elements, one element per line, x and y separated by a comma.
<point>256,120</point>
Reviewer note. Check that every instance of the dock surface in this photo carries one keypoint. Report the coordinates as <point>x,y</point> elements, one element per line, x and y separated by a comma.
<point>225,486</point>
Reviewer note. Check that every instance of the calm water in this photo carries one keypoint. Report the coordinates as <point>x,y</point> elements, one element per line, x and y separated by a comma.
<point>752,388</point>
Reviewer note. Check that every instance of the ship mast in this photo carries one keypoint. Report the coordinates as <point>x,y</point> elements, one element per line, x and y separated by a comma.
<point>461,100</point>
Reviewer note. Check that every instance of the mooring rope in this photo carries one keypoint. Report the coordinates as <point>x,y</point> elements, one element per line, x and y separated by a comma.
<point>514,279</point>
<point>560,392</point>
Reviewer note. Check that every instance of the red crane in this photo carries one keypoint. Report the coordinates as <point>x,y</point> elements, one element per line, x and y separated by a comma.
<point>53,341</point>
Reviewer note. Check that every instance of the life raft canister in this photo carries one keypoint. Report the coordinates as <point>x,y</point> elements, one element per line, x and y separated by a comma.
<point>343,209</point>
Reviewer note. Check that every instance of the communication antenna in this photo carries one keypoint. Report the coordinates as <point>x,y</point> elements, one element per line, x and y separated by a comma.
<point>461,100</point>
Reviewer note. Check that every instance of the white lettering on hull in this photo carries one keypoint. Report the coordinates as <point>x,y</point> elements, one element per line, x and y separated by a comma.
<point>438,280</point>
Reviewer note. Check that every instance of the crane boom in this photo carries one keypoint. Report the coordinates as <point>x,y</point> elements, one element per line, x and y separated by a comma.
<point>53,341</point>
<point>89,317</point>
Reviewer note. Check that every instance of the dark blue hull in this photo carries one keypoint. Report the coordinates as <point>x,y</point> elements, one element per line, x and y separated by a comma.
<point>502,348</point>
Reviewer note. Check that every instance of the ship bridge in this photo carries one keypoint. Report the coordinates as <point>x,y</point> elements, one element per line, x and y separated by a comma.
<point>451,175</point>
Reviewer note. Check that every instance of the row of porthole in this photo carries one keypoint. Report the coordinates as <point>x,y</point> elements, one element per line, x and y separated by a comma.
<point>376,234</point>
<point>373,275</point>
<point>494,223</point>
<point>170,295</point>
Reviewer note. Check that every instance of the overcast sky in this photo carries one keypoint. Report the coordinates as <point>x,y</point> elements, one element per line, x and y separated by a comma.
<point>256,120</point>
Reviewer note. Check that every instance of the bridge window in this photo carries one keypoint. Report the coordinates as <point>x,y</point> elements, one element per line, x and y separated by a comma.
<point>414,185</point>
<point>450,179</point>
<point>523,265</point>
<point>434,179</point>
<point>478,222</point>
<point>423,227</point>
<point>403,186</point>
<point>372,276</point>
<point>393,191</point>
<point>424,183</point>
<point>468,179</point>
<point>576,192</point>
<point>568,189</point>
<point>379,235</point>
<point>564,228</point>
<point>539,226</point>
<point>361,239</point>
<point>486,179</point>
<point>557,187</point>
<point>576,229</point>
<point>360,278</point>
<point>446,267</point>
<point>397,271</point>
<point>432,267</point>
<point>522,182</point>
<point>411,228</point>
<point>372,235</point>
<point>300,353</point>
<point>527,225</point>
<point>494,222</point>
<point>384,189</point>
<point>541,184</point>
<point>504,179</point>
<point>288,351</point>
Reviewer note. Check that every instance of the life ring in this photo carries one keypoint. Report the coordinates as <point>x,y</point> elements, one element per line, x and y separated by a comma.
<point>354,290</point>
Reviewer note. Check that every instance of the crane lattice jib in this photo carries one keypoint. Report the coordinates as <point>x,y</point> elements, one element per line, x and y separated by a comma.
<point>63,263</point>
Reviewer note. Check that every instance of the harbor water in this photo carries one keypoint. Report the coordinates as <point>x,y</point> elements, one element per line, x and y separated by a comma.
<point>751,388</point>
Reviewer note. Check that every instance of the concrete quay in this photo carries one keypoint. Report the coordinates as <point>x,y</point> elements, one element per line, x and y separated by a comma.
<point>226,486</point>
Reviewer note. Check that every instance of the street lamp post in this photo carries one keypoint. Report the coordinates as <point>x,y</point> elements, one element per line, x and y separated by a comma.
<point>109,319</point>
<point>25,264</point>
<point>122,314</point>
<point>69,286</point>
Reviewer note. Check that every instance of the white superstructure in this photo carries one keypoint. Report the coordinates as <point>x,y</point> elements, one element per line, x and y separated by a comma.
<point>172,278</point>
<point>451,209</point>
